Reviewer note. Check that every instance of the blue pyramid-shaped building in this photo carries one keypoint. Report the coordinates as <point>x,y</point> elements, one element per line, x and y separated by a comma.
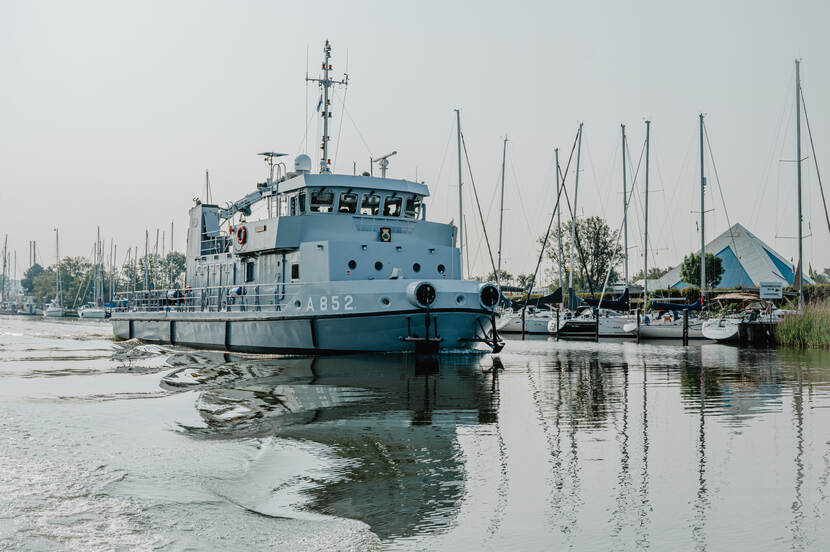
<point>747,261</point>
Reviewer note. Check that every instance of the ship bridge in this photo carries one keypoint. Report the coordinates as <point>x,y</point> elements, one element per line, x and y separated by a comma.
<point>321,227</point>
<point>352,195</point>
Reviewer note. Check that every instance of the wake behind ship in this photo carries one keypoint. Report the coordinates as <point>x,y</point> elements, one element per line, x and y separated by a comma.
<point>340,263</point>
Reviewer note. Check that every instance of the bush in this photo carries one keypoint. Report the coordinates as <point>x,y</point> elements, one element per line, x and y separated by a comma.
<point>809,330</point>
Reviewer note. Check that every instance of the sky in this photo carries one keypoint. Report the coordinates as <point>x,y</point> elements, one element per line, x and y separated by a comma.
<point>111,112</point>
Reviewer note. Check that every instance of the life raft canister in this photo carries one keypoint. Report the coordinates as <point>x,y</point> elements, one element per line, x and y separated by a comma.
<point>241,235</point>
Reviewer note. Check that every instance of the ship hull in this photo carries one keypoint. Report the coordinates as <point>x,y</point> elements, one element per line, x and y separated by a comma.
<point>449,330</point>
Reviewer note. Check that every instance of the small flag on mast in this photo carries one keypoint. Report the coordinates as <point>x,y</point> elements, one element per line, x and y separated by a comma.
<point>320,103</point>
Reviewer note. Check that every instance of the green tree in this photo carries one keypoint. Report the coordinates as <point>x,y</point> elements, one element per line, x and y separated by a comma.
<point>523,280</point>
<point>690,270</point>
<point>653,273</point>
<point>822,277</point>
<point>29,276</point>
<point>505,278</point>
<point>596,246</point>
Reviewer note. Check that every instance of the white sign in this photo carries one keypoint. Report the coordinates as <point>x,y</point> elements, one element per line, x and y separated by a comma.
<point>771,290</point>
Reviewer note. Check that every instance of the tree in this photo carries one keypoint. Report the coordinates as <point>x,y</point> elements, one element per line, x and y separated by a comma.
<point>690,270</point>
<point>505,278</point>
<point>596,246</point>
<point>654,273</point>
<point>29,276</point>
<point>822,277</point>
<point>523,280</point>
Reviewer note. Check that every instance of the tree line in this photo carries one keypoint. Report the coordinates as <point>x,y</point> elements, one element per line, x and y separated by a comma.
<point>77,275</point>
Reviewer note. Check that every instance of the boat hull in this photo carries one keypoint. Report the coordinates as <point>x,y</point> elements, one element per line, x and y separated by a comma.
<point>92,313</point>
<point>664,331</point>
<point>585,328</point>
<point>723,331</point>
<point>457,329</point>
<point>532,325</point>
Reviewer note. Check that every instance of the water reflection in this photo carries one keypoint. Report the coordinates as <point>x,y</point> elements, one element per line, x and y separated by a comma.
<point>396,424</point>
<point>393,419</point>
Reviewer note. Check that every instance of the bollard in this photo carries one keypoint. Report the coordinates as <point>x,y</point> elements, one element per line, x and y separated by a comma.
<point>557,323</point>
<point>685,327</point>
<point>638,325</point>
<point>523,322</point>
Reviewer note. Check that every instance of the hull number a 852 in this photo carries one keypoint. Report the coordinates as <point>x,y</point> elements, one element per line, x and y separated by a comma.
<point>330,303</point>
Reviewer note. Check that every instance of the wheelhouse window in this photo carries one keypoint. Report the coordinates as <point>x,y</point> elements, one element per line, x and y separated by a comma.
<point>322,202</point>
<point>348,203</point>
<point>413,207</point>
<point>283,206</point>
<point>370,205</point>
<point>301,202</point>
<point>294,206</point>
<point>392,206</point>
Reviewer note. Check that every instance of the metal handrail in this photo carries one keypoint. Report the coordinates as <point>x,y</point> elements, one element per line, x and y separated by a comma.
<point>274,297</point>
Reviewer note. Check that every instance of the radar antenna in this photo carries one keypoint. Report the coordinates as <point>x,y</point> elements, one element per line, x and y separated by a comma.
<point>383,163</point>
<point>326,83</point>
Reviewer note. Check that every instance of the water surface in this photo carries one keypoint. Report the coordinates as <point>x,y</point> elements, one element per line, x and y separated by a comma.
<point>551,445</point>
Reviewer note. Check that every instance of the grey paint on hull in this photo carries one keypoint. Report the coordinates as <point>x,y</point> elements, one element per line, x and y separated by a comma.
<point>261,334</point>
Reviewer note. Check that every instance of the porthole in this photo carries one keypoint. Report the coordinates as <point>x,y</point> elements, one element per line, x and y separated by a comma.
<point>460,299</point>
<point>441,268</point>
<point>378,265</point>
<point>352,264</point>
<point>416,267</point>
<point>384,301</point>
<point>297,304</point>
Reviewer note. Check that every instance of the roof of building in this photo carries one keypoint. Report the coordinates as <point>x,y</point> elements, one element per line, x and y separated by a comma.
<point>747,261</point>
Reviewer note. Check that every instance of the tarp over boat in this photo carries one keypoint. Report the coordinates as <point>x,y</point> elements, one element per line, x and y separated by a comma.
<point>546,301</point>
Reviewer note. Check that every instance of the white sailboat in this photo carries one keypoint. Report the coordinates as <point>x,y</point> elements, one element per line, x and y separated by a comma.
<point>96,310</point>
<point>728,329</point>
<point>55,308</point>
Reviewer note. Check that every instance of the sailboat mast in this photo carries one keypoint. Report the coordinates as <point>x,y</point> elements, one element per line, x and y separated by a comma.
<point>573,214</point>
<point>460,197</point>
<point>558,217</point>
<point>58,269</point>
<point>501,208</point>
<point>798,164</point>
<point>645,236</point>
<point>702,219</point>
<point>625,208</point>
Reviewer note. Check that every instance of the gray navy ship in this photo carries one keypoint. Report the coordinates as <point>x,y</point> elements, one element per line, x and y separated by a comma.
<point>340,263</point>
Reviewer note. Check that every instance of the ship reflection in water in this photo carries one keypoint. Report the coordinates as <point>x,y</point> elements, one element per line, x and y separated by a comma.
<point>550,445</point>
<point>592,446</point>
<point>394,418</point>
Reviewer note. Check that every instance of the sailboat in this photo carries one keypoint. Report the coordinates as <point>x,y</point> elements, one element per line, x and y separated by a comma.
<point>96,309</point>
<point>669,325</point>
<point>55,308</point>
<point>751,325</point>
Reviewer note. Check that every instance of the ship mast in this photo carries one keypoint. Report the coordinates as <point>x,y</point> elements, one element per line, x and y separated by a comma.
<point>501,209</point>
<point>800,269</point>
<point>326,83</point>
<point>573,217</point>
<point>460,196</point>
<point>558,216</point>
<point>645,234</point>
<point>702,220</point>
<point>625,209</point>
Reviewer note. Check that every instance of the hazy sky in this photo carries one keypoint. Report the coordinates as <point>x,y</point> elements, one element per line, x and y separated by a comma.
<point>110,112</point>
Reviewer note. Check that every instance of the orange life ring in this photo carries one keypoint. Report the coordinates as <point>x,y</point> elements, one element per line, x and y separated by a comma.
<point>241,235</point>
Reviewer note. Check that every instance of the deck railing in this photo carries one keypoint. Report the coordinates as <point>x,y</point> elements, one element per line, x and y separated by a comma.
<point>244,297</point>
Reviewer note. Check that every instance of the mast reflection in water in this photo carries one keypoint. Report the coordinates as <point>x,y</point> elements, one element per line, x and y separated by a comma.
<point>584,446</point>
<point>591,445</point>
